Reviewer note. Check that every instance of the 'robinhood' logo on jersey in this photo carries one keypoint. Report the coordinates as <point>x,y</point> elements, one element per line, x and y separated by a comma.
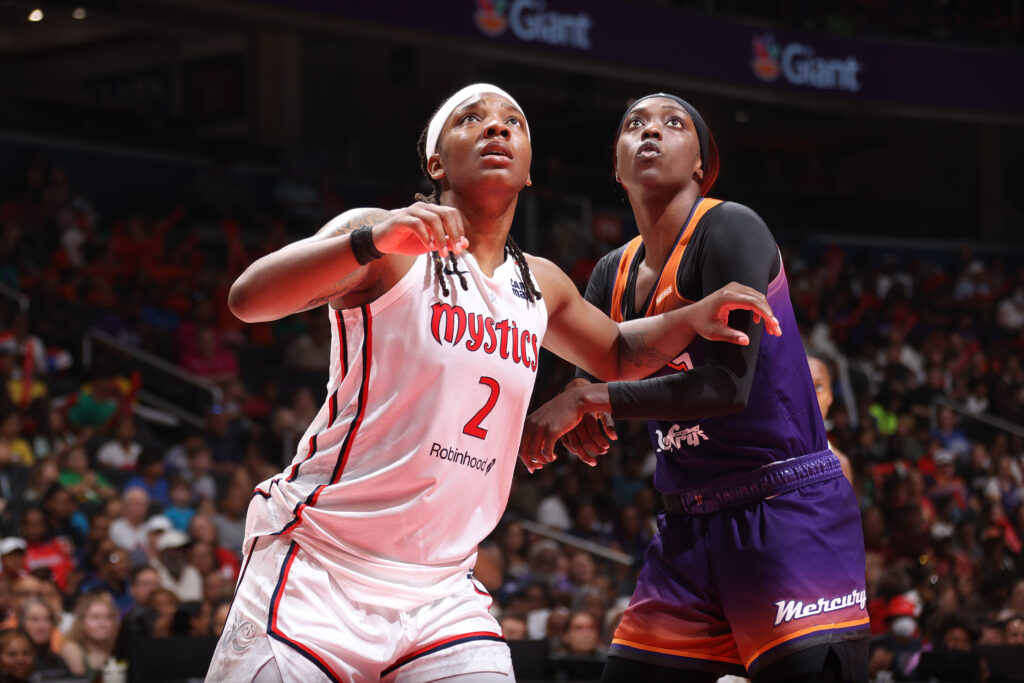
<point>457,457</point>
<point>531,21</point>
<point>451,324</point>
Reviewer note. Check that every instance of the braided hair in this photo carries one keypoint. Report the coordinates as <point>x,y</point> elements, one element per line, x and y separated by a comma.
<point>511,248</point>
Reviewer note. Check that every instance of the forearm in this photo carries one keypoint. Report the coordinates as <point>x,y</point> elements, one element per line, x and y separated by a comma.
<point>301,275</point>
<point>645,345</point>
<point>706,391</point>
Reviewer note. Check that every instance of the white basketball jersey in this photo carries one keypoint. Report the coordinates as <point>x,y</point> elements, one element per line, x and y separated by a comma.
<point>408,465</point>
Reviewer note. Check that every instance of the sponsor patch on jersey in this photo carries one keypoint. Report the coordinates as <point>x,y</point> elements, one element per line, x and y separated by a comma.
<point>519,289</point>
<point>463,458</point>
<point>677,437</point>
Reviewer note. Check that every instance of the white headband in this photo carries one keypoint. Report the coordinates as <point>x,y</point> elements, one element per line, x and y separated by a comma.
<point>437,123</point>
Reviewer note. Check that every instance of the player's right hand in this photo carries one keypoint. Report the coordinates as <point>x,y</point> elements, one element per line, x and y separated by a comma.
<point>592,436</point>
<point>421,228</point>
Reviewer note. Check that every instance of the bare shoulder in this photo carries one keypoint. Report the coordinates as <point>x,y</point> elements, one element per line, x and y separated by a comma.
<point>353,219</point>
<point>554,284</point>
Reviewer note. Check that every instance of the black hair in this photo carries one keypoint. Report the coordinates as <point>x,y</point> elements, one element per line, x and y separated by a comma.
<point>511,248</point>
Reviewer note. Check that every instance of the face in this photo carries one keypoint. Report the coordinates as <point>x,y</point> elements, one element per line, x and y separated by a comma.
<point>1013,634</point>
<point>822,384</point>
<point>581,636</point>
<point>146,581</point>
<point>38,623</point>
<point>657,147</point>
<point>33,526</point>
<point>98,621</point>
<point>484,143</point>
<point>16,657</point>
<point>957,639</point>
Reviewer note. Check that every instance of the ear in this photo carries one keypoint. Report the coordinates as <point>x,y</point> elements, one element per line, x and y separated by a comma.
<point>529,180</point>
<point>434,168</point>
<point>698,175</point>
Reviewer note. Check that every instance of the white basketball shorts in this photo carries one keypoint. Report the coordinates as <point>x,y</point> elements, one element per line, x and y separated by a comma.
<point>291,620</point>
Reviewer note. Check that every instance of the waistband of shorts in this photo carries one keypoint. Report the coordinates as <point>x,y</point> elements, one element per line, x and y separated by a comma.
<point>751,487</point>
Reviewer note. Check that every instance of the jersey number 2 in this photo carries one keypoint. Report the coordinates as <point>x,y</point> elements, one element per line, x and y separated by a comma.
<point>473,427</point>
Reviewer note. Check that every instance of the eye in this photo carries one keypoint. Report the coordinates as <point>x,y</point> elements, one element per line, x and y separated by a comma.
<point>515,120</point>
<point>634,122</point>
<point>469,117</point>
<point>675,121</point>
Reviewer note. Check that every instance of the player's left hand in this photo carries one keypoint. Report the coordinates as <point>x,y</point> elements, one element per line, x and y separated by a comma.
<point>548,423</point>
<point>711,314</point>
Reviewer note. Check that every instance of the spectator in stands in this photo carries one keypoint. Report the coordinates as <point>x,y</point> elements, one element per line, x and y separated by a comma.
<point>150,477</point>
<point>176,574</point>
<point>1013,630</point>
<point>122,452</point>
<point>513,627</point>
<point>81,481</point>
<point>89,642</point>
<point>164,604</point>
<point>98,401</point>
<point>39,621</point>
<point>16,656</point>
<point>12,558</point>
<point>203,530</point>
<point>129,530</point>
<point>10,432</point>
<point>13,481</point>
<point>138,621</point>
<point>582,637</point>
<point>45,552</point>
<point>230,520</point>
<point>209,358</point>
<point>113,567</point>
<point>180,510</point>
<point>64,519</point>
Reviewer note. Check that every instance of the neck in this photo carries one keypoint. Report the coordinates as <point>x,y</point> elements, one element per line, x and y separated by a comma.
<point>488,218</point>
<point>659,218</point>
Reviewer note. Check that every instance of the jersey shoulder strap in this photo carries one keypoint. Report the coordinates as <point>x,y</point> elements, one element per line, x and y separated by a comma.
<point>666,290</point>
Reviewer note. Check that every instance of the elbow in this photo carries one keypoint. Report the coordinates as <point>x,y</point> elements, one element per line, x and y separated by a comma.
<point>240,303</point>
<point>739,401</point>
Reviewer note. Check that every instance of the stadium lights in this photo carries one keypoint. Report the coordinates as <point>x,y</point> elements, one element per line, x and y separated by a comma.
<point>35,15</point>
<point>79,13</point>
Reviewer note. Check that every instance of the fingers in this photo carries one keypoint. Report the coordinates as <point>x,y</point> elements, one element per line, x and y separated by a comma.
<point>739,296</point>
<point>444,227</point>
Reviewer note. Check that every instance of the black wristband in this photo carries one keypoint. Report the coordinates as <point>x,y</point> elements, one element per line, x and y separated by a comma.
<point>362,245</point>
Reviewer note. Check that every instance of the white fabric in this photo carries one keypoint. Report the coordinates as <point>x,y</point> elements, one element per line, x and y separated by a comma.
<point>401,514</point>
<point>437,123</point>
<point>320,634</point>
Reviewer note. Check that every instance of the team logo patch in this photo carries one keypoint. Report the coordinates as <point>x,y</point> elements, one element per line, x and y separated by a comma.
<point>677,436</point>
<point>796,609</point>
<point>240,636</point>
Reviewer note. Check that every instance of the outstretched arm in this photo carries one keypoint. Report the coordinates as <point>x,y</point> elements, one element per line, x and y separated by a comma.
<point>740,248</point>
<point>323,268</point>
<point>583,335</point>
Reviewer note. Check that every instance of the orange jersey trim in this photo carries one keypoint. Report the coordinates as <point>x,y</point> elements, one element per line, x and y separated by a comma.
<point>796,634</point>
<point>661,299</point>
<point>692,654</point>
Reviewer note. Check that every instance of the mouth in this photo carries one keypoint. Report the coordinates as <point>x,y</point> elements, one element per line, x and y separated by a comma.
<point>496,149</point>
<point>648,149</point>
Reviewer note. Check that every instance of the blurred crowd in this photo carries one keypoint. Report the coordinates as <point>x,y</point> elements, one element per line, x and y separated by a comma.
<point>119,523</point>
<point>988,23</point>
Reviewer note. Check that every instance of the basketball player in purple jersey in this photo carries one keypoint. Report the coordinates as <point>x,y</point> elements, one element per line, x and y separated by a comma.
<point>359,555</point>
<point>758,565</point>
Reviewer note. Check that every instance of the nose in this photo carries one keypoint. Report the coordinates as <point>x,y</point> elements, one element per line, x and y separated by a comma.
<point>650,131</point>
<point>497,127</point>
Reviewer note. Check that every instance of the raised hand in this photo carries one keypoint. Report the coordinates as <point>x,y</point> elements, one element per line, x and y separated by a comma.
<point>420,228</point>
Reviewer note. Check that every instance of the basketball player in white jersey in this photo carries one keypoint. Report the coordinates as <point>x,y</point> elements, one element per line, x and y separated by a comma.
<point>359,556</point>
